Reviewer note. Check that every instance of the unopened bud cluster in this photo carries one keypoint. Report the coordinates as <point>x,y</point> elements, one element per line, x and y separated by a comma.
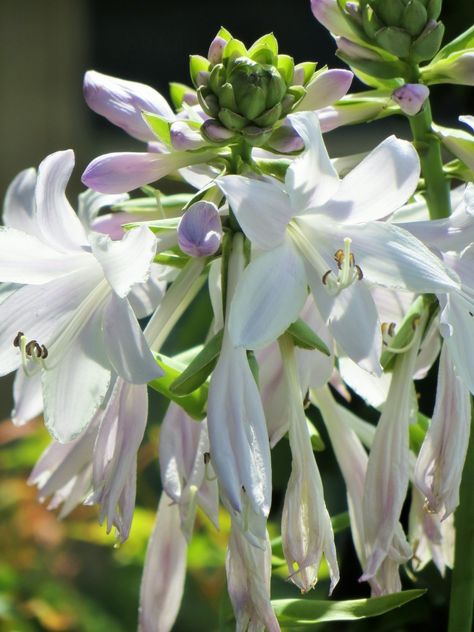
<point>246,92</point>
<point>406,28</point>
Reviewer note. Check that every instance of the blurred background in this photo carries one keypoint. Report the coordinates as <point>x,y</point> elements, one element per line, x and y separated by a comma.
<point>68,576</point>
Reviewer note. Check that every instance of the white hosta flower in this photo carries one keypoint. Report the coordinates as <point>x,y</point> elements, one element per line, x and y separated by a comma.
<point>70,317</point>
<point>386,482</point>
<point>164,572</point>
<point>238,436</point>
<point>352,460</point>
<point>321,231</point>
<point>441,459</point>
<point>306,527</point>
<point>248,579</point>
<point>186,472</point>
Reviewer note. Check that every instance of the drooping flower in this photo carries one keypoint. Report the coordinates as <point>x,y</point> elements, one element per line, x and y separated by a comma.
<point>319,230</point>
<point>69,316</point>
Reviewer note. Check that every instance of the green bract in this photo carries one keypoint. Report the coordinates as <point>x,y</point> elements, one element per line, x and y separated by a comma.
<point>407,29</point>
<point>247,91</point>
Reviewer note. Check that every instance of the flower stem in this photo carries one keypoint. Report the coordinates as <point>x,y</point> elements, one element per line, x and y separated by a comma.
<point>462,582</point>
<point>429,150</point>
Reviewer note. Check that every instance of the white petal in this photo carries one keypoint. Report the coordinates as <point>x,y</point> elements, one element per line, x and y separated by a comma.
<point>262,209</point>
<point>164,572</point>
<point>26,259</point>
<point>392,257</point>
<point>127,348</point>
<point>379,185</point>
<point>40,312</point>
<point>240,450</point>
<point>268,298</point>
<point>458,332</point>
<point>91,202</point>
<point>145,297</point>
<point>19,205</point>
<point>57,222</point>
<point>441,459</point>
<point>28,398</point>
<point>372,388</point>
<point>127,261</point>
<point>352,319</point>
<point>327,87</point>
<point>74,389</point>
<point>311,179</point>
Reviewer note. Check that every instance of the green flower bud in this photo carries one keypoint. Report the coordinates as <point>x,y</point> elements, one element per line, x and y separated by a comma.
<point>401,27</point>
<point>415,17</point>
<point>246,92</point>
<point>394,40</point>
<point>428,43</point>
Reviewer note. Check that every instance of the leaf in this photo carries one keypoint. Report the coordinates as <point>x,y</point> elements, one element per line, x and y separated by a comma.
<point>461,43</point>
<point>178,92</point>
<point>417,432</point>
<point>303,336</point>
<point>197,372</point>
<point>159,126</point>
<point>316,440</point>
<point>304,613</point>
<point>194,403</point>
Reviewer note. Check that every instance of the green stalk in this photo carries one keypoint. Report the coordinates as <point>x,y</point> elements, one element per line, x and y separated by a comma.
<point>429,150</point>
<point>462,583</point>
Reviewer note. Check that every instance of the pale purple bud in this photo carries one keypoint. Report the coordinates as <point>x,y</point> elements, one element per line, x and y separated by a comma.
<point>285,139</point>
<point>325,89</point>
<point>353,10</point>
<point>200,230</point>
<point>202,78</point>
<point>190,98</point>
<point>215,132</point>
<point>411,97</point>
<point>355,51</point>
<point>215,50</point>
<point>122,103</point>
<point>184,137</point>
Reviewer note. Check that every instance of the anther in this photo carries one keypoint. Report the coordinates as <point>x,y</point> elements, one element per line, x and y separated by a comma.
<point>339,257</point>
<point>17,340</point>
<point>207,458</point>
<point>325,276</point>
<point>44,352</point>
<point>360,274</point>
<point>32,348</point>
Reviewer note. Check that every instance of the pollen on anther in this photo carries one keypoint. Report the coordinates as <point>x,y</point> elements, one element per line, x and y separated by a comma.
<point>360,274</point>
<point>44,352</point>
<point>207,458</point>
<point>33,347</point>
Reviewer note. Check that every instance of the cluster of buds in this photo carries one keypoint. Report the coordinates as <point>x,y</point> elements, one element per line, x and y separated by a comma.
<point>246,92</point>
<point>406,28</point>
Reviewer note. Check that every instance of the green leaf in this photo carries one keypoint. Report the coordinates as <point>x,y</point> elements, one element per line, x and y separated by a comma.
<point>197,64</point>
<point>234,48</point>
<point>461,43</point>
<point>224,33</point>
<point>197,372</point>
<point>194,403</point>
<point>178,92</point>
<point>286,68</point>
<point>264,50</point>
<point>303,613</point>
<point>303,336</point>
<point>160,127</point>
<point>316,441</point>
<point>170,258</point>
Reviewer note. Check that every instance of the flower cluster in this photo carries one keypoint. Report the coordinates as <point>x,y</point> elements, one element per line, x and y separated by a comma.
<point>324,275</point>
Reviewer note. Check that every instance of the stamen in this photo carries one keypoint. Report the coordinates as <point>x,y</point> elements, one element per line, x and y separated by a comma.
<point>31,352</point>
<point>349,271</point>
<point>17,340</point>
<point>388,332</point>
<point>207,463</point>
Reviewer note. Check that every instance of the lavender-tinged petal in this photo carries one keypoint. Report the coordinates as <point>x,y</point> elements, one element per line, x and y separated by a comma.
<point>200,230</point>
<point>440,462</point>
<point>216,49</point>
<point>19,205</point>
<point>325,89</point>
<point>285,139</point>
<point>90,204</point>
<point>411,97</point>
<point>164,572</point>
<point>355,51</point>
<point>122,103</point>
<point>184,137</point>
<point>120,172</point>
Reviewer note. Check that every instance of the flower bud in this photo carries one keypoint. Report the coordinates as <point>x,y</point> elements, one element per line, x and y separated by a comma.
<point>247,91</point>
<point>200,230</point>
<point>411,97</point>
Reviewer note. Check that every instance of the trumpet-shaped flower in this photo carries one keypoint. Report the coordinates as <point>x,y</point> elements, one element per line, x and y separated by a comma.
<point>321,231</point>
<point>238,436</point>
<point>69,316</point>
